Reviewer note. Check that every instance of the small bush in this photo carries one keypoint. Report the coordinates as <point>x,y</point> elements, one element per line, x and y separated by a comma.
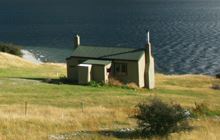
<point>202,109</point>
<point>10,48</point>
<point>158,118</point>
<point>216,86</point>
<point>114,82</point>
<point>60,81</point>
<point>48,80</point>
<point>217,76</point>
<point>131,86</point>
<point>64,80</point>
<point>95,84</point>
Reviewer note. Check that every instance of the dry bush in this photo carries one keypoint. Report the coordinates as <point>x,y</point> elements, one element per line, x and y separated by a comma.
<point>114,82</point>
<point>216,86</point>
<point>132,86</point>
<point>203,109</point>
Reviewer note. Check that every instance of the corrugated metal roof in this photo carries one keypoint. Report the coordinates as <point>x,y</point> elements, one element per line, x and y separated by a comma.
<point>97,62</point>
<point>108,52</point>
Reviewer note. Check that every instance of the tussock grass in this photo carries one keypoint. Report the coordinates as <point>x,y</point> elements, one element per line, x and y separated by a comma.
<point>42,121</point>
<point>205,129</point>
<point>57,109</point>
<point>14,66</point>
<point>8,61</point>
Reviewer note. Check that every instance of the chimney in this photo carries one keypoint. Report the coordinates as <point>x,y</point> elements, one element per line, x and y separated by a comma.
<point>148,44</point>
<point>148,37</point>
<point>149,65</point>
<point>76,41</point>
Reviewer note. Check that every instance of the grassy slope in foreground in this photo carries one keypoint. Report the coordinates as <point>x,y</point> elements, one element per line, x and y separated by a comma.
<point>56,109</point>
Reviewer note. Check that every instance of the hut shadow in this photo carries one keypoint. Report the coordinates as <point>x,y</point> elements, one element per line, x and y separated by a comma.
<point>137,134</point>
<point>58,81</point>
<point>122,134</point>
<point>125,133</point>
<point>106,133</point>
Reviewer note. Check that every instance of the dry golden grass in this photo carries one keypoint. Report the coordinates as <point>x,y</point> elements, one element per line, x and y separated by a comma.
<point>42,121</point>
<point>185,81</point>
<point>8,60</point>
<point>205,129</point>
<point>188,87</point>
<point>14,66</point>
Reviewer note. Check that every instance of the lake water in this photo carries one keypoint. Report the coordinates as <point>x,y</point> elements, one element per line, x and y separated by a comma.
<point>185,33</point>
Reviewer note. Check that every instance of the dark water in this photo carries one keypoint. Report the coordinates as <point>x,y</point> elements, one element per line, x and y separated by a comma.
<point>185,33</point>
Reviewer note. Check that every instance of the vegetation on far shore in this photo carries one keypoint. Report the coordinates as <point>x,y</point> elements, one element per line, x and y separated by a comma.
<point>33,109</point>
<point>10,48</point>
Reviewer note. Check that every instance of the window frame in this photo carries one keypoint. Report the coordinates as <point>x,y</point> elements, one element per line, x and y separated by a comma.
<point>120,67</point>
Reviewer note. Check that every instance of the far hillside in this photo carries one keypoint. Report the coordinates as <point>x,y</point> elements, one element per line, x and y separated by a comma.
<point>10,48</point>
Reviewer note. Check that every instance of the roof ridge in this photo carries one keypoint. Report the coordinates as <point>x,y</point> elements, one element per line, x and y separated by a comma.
<point>116,47</point>
<point>104,52</point>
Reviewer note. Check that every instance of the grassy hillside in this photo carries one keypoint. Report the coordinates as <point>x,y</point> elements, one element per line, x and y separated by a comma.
<point>57,109</point>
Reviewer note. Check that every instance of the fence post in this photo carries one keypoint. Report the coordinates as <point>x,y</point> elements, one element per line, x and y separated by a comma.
<point>82,106</point>
<point>25,108</point>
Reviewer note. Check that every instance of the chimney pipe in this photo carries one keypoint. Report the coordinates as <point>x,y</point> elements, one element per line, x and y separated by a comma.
<point>148,44</point>
<point>149,66</point>
<point>76,41</point>
<point>148,36</point>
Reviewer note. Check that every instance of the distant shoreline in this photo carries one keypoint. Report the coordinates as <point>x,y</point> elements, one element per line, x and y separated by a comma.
<point>27,55</point>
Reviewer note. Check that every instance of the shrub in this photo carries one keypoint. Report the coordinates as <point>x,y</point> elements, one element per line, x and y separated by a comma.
<point>95,84</point>
<point>61,80</point>
<point>216,86</point>
<point>114,82</point>
<point>48,80</point>
<point>202,109</point>
<point>131,86</point>
<point>64,80</point>
<point>217,75</point>
<point>10,48</point>
<point>158,118</point>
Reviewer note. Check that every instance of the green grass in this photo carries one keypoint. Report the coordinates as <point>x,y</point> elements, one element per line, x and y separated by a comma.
<point>37,92</point>
<point>57,108</point>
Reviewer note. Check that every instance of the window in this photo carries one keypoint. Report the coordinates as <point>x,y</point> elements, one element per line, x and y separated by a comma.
<point>120,69</point>
<point>124,68</point>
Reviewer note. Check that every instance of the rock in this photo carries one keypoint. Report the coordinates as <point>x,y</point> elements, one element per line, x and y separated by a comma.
<point>217,75</point>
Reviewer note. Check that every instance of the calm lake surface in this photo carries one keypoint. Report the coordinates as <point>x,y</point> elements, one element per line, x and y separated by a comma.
<point>185,33</point>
